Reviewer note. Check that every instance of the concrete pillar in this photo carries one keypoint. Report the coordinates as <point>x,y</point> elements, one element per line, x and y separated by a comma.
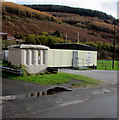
<point>35,57</point>
<point>12,56</point>
<point>29,57</point>
<point>9,58</point>
<point>23,57</point>
<point>15,56</point>
<point>41,57</point>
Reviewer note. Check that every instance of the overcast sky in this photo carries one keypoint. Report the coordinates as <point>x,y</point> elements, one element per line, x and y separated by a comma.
<point>107,6</point>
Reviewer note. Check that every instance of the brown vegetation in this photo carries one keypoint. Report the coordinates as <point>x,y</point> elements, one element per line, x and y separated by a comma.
<point>19,10</point>
<point>18,19</point>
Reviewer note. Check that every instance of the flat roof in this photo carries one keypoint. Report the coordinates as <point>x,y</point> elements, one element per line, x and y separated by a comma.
<point>25,46</point>
<point>72,46</point>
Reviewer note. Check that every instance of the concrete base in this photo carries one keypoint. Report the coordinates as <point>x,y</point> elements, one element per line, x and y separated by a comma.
<point>36,68</point>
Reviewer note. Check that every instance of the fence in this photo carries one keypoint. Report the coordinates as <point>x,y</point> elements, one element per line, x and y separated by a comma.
<point>84,62</point>
<point>106,65</point>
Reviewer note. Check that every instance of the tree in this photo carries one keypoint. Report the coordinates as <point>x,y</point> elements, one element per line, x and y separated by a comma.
<point>30,39</point>
<point>57,34</point>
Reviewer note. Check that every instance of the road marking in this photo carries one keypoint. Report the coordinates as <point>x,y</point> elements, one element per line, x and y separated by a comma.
<point>72,102</point>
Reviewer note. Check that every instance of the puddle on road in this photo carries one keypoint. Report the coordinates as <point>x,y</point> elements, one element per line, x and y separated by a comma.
<point>56,90</point>
<point>49,91</point>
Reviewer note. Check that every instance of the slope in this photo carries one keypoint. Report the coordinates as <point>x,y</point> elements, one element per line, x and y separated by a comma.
<point>18,19</point>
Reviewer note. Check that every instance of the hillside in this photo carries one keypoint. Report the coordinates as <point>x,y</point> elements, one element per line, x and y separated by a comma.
<point>12,9</point>
<point>18,19</point>
<point>66,9</point>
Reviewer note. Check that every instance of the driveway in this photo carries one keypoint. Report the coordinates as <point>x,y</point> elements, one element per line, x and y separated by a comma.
<point>104,75</point>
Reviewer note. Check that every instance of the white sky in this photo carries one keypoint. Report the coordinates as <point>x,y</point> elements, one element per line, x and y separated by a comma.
<point>107,6</point>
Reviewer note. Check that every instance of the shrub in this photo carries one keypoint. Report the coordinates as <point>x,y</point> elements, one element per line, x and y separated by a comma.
<point>44,39</point>
<point>6,17</point>
<point>6,43</point>
<point>30,38</point>
<point>80,25</point>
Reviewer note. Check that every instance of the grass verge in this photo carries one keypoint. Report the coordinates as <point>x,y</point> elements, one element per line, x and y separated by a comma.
<point>55,79</point>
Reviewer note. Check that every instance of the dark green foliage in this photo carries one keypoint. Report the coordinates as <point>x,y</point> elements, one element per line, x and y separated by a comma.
<point>57,34</point>
<point>6,43</point>
<point>65,9</point>
<point>44,39</point>
<point>101,45</point>
<point>18,36</point>
<point>105,50</point>
<point>30,39</point>
<point>80,25</point>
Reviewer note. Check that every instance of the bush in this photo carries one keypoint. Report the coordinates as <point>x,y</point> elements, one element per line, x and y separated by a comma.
<point>30,39</point>
<point>44,39</point>
<point>57,34</point>
<point>80,25</point>
<point>6,43</point>
<point>6,17</point>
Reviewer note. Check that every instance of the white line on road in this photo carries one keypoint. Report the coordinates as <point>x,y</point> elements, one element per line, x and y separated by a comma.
<point>72,102</point>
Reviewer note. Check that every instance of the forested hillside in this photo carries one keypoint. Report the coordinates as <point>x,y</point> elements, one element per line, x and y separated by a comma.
<point>98,23</point>
<point>66,9</point>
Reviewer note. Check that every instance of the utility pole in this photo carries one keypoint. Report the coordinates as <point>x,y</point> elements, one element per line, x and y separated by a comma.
<point>78,38</point>
<point>114,42</point>
<point>66,37</point>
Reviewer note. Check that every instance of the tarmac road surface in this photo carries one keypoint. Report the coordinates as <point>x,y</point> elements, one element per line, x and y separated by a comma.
<point>98,102</point>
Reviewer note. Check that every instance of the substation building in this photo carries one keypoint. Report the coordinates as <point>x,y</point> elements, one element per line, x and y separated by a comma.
<point>38,58</point>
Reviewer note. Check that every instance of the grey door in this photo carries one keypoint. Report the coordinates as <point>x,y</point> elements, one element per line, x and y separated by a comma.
<point>75,59</point>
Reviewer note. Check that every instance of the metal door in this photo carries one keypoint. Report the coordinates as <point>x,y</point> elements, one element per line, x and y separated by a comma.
<point>75,59</point>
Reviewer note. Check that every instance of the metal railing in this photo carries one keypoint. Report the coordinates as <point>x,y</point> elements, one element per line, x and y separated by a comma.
<point>11,70</point>
<point>83,62</point>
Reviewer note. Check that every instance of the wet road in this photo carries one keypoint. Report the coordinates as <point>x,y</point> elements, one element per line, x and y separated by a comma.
<point>104,107</point>
<point>79,103</point>
<point>100,102</point>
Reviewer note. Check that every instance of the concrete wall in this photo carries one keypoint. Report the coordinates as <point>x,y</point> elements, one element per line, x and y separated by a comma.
<point>64,58</point>
<point>59,58</point>
<point>14,56</point>
<point>87,58</point>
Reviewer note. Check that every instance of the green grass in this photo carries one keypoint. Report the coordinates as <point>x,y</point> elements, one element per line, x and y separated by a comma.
<point>107,65</point>
<point>54,78</point>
